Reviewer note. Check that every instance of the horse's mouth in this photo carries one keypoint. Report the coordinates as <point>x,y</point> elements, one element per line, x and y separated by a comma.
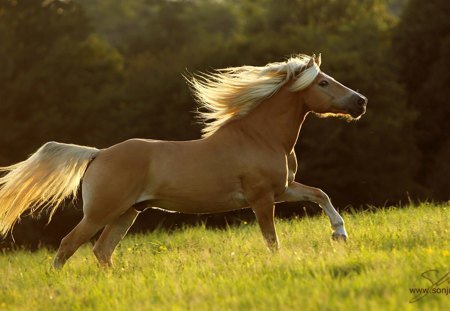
<point>357,112</point>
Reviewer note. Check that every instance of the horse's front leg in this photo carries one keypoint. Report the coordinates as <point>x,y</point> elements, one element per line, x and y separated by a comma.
<point>298,192</point>
<point>264,209</point>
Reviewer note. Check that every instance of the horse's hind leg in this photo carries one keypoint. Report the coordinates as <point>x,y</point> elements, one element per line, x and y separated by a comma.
<point>85,229</point>
<point>112,235</point>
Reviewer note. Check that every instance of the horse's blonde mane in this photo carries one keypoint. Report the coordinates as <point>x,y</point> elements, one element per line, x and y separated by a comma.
<point>230,93</point>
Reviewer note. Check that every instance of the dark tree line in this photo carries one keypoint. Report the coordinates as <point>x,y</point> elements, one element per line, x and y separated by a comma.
<point>97,72</point>
<point>422,44</point>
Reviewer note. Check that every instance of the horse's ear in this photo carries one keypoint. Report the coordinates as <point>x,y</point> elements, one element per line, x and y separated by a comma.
<point>318,59</point>
<point>311,61</point>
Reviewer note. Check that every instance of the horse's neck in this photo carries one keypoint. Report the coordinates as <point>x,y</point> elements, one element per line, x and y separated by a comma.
<point>277,120</point>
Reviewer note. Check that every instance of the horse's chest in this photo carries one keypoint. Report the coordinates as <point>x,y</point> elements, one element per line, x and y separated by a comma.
<point>292,167</point>
<point>279,179</point>
<point>271,173</point>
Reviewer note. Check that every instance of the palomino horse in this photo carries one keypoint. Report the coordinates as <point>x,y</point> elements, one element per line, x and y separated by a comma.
<point>246,158</point>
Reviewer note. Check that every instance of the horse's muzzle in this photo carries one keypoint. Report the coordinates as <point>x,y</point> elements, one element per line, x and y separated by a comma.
<point>358,106</point>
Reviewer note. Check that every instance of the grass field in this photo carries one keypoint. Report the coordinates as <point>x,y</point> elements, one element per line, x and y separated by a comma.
<point>202,269</point>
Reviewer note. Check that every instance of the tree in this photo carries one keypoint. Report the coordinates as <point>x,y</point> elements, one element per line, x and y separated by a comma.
<point>422,44</point>
<point>57,79</point>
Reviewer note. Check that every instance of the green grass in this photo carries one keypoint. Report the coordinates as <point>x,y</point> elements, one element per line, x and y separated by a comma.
<point>201,269</point>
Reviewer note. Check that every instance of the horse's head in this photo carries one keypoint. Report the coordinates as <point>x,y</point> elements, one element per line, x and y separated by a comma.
<point>326,96</point>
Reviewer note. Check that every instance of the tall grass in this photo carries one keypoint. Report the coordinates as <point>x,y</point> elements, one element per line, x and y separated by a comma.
<point>200,269</point>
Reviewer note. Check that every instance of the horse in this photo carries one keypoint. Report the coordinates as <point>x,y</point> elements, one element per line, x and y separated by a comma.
<point>252,117</point>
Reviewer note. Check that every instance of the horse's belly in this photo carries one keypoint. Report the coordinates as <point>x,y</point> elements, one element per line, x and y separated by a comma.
<point>196,204</point>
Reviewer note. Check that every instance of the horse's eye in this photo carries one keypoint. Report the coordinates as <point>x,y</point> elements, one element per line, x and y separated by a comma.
<point>323,83</point>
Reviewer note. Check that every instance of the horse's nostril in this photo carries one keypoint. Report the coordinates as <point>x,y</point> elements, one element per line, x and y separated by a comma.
<point>361,101</point>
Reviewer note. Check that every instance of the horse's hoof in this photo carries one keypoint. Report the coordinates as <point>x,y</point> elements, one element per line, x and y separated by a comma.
<point>339,237</point>
<point>57,265</point>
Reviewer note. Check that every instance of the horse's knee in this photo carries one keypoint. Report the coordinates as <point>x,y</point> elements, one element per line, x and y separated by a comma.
<point>321,197</point>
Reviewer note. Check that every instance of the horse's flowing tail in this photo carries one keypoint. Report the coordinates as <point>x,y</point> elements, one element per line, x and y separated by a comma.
<point>44,180</point>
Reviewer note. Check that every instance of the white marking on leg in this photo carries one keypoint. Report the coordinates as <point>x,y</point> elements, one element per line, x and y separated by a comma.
<point>299,192</point>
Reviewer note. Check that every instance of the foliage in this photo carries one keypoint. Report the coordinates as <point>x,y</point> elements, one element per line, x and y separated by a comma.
<point>58,79</point>
<point>422,43</point>
<point>196,268</point>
